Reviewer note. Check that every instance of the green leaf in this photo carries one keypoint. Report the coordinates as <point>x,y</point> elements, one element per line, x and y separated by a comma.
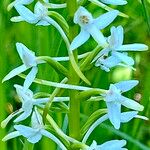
<point>60,19</point>
<point>56,65</point>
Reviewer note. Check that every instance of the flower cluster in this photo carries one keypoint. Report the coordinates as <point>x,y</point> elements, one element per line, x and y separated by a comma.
<point>113,53</point>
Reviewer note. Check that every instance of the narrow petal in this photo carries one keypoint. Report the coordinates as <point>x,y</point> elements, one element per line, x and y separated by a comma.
<point>15,72</point>
<point>30,78</point>
<point>116,38</point>
<point>27,56</point>
<point>11,135</point>
<point>115,2</point>
<point>124,58</point>
<point>26,14</point>
<point>93,146</point>
<point>17,19</point>
<point>80,39</point>
<point>114,112</point>
<point>36,119</point>
<point>133,47</point>
<point>141,117</point>
<point>105,19</point>
<point>127,116</point>
<point>97,35</point>
<point>23,116</point>
<point>6,121</point>
<point>113,145</point>
<point>129,103</point>
<point>120,34</point>
<point>126,85</point>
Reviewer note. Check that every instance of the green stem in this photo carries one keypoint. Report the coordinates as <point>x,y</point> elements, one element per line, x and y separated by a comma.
<point>74,112</point>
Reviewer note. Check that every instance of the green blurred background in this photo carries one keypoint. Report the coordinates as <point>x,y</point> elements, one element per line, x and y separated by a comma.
<point>47,41</point>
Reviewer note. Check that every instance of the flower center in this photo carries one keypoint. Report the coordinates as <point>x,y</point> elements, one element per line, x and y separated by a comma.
<point>84,19</point>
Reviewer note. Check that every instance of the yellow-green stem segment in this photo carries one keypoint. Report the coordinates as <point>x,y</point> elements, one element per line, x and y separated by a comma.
<point>74,113</point>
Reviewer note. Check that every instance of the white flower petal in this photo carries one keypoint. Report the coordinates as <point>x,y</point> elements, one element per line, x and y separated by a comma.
<point>113,145</point>
<point>114,2</point>
<point>116,38</point>
<point>133,47</point>
<point>80,39</point>
<point>15,72</point>
<point>26,14</point>
<point>24,2</point>
<point>114,113</point>
<point>105,19</point>
<point>126,85</point>
<point>127,116</point>
<point>129,103</point>
<point>141,117</point>
<point>111,61</point>
<point>93,146</point>
<point>35,138</point>
<point>30,78</point>
<point>25,130</point>
<point>26,55</point>
<point>120,34</point>
<point>11,135</point>
<point>23,95</point>
<point>17,19</point>
<point>40,9</point>
<point>23,116</point>
<point>124,58</point>
<point>36,119</point>
<point>97,35</point>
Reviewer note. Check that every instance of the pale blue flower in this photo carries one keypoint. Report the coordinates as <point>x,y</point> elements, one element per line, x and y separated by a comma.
<point>109,145</point>
<point>35,132</point>
<point>28,102</point>
<point>91,26</point>
<point>115,2</point>
<point>26,98</point>
<point>21,2</point>
<point>29,61</point>
<point>115,54</point>
<point>39,17</point>
<point>114,100</point>
<point>124,118</point>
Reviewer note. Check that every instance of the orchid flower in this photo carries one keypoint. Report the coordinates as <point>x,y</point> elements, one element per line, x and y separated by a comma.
<point>39,17</point>
<point>117,51</point>
<point>35,132</point>
<point>115,2</point>
<point>29,61</point>
<point>114,100</point>
<point>124,118</point>
<point>21,2</point>
<point>109,145</point>
<point>91,26</point>
<point>28,102</point>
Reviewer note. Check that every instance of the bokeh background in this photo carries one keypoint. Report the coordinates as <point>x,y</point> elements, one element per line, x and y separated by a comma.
<point>47,41</point>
